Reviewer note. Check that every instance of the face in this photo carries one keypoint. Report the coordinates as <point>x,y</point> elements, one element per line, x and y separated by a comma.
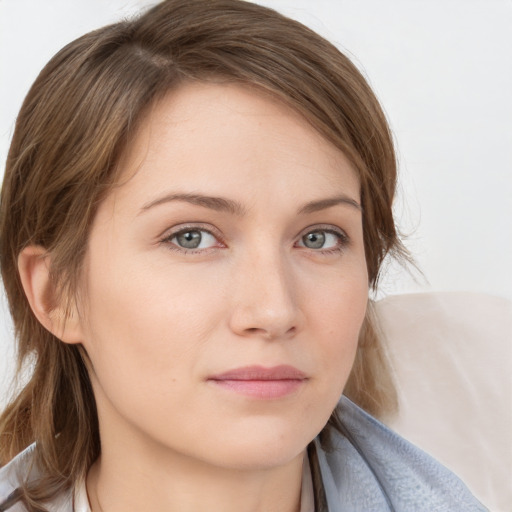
<point>225,281</point>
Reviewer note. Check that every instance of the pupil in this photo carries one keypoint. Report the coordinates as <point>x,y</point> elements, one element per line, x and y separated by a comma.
<point>314,240</point>
<point>190,239</point>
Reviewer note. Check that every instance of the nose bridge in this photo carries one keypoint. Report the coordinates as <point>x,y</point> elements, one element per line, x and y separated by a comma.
<point>265,300</point>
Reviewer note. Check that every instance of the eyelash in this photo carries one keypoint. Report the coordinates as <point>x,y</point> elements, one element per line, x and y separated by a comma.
<point>167,239</point>
<point>343,239</point>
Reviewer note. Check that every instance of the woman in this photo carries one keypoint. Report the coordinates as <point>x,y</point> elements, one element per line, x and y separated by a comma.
<point>195,205</point>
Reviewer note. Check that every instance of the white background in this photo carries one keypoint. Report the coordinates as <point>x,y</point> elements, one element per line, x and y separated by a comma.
<point>442,70</point>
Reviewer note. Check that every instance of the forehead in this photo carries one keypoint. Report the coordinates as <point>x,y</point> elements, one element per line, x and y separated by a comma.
<point>227,138</point>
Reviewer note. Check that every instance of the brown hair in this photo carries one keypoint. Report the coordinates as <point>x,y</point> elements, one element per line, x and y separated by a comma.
<point>74,125</point>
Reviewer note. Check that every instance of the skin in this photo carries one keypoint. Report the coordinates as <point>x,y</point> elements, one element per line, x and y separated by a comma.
<point>158,320</point>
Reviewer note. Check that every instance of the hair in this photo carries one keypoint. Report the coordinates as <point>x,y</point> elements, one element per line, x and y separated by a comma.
<point>75,123</point>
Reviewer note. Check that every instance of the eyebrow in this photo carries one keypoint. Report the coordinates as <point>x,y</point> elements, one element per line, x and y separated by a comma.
<point>234,207</point>
<point>220,204</point>
<point>323,204</point>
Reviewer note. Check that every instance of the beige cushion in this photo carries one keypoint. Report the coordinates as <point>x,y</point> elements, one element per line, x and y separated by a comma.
<point>452,354</point>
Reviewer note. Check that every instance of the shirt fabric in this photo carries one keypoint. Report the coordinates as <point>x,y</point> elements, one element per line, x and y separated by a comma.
<point>365,468</point>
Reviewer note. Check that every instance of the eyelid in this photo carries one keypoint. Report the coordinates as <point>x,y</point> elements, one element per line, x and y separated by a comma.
<point>329,228</point>
<point>171,233</point>
<point>166,237</point>
<point>326,228</point>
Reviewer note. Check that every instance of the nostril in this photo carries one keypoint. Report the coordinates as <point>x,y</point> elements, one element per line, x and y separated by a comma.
<point>271,333</point>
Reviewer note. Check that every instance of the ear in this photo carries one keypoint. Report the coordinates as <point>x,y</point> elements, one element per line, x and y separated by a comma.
<point>49,309</point>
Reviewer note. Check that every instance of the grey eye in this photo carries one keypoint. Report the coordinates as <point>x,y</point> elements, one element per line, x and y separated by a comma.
<point>189,239</point>
<point>322,239</point>
<point>314,240</point>
<point>194,239</point>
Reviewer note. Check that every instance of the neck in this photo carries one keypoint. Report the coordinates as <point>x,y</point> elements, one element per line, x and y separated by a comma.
<point>134,479</point>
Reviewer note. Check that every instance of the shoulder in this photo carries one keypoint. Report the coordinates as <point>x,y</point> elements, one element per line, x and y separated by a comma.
<point>366,466</point>
<point>22,469</point>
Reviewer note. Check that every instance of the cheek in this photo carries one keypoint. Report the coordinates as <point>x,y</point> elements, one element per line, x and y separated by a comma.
<point>338,301</point>
<point>141,284</point>
<point>337,314</point>
<point>148,317</point>
<point>145,335</point>
<point>153,329</point>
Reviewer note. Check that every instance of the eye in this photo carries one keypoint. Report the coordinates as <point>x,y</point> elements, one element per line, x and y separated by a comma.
<point>324,239</point>
<point>190,239</point>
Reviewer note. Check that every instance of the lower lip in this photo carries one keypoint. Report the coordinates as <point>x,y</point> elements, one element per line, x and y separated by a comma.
<point>264,389</point>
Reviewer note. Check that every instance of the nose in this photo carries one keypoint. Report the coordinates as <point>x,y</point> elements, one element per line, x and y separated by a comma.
<point>264,298</point>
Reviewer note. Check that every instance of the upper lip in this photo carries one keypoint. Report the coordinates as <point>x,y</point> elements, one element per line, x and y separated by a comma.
<point>281,372</point>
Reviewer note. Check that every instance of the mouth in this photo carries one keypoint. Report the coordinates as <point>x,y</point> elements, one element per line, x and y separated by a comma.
<point>261,382</point>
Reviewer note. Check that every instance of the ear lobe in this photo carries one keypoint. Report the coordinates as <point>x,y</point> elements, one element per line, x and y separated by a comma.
<point>34,269</point>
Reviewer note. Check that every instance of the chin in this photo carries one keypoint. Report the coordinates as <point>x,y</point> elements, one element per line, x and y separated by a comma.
<point>262,446</point>
<point>260,457</point>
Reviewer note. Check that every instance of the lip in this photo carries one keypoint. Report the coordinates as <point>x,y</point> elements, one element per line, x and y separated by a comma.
<point>261,382</point>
